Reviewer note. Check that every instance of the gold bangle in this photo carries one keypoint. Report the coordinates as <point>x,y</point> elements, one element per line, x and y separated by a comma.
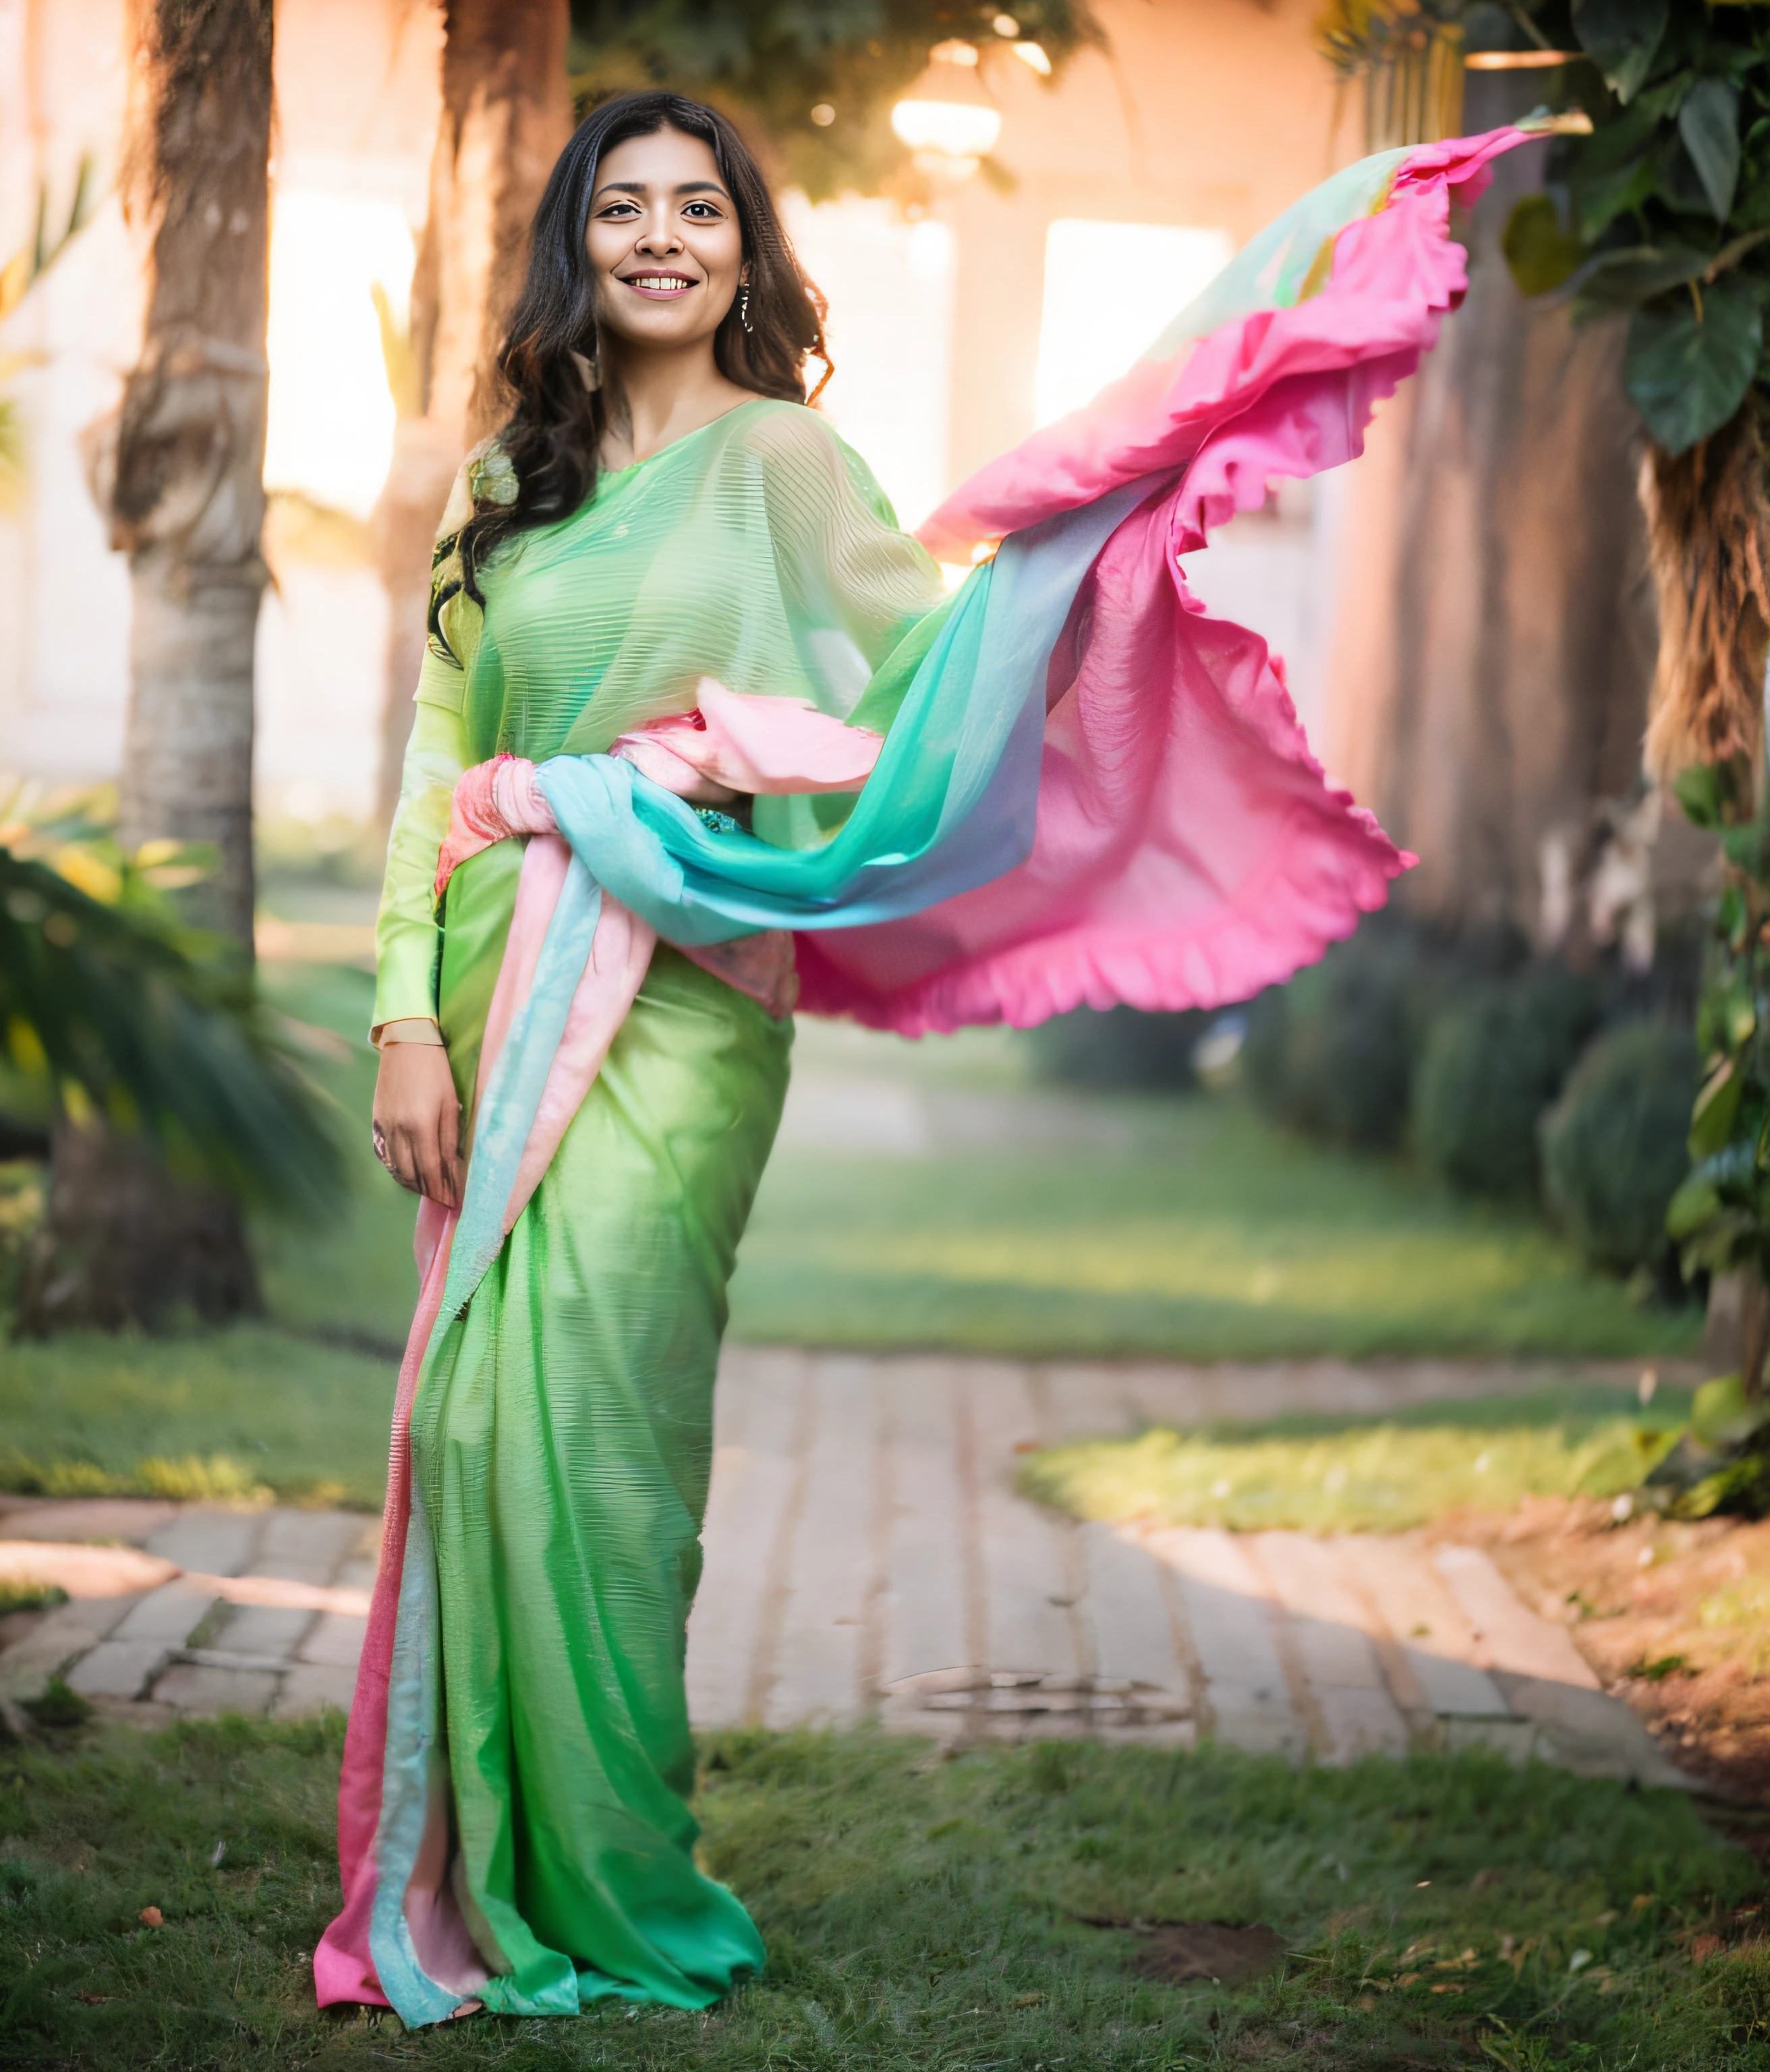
<point>411,1029</point>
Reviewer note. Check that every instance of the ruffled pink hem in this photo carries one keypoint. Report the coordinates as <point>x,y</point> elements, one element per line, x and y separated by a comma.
<point>1189,850</point>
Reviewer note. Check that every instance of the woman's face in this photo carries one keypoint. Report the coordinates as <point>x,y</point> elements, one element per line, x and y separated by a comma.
<point>664,244</point>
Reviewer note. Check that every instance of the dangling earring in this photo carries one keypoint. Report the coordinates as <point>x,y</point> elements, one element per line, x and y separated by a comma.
<point>743,304</point>
<point>587,372</point>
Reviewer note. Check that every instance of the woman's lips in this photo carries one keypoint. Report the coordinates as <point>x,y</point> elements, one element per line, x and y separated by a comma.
<point>660,287</point>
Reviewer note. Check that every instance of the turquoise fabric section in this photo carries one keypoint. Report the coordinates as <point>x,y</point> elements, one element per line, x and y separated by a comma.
<point>950,805</point>
<point>415,1778</point>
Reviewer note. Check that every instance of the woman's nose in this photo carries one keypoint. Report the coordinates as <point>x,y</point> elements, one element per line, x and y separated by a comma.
<point>660,237</point>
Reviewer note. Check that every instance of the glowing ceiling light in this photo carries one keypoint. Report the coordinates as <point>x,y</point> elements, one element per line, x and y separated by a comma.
<point>948,129</point>
<point>1034,55</point>
<point>946,118</point>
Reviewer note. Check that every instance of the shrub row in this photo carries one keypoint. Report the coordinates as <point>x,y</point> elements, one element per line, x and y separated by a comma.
<point>1527,1084</point>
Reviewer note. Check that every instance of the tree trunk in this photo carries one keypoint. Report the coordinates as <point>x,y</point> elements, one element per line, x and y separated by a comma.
<point>1493,713</point>
<point>124,1242</point>
<point>506,118</point>
<point>187,502</point>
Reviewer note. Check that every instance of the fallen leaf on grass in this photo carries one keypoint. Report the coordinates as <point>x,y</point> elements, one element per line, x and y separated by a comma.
<point>95,1999</point>
<point>153,1917</point>
<point>1705,1947</point>
<point>1028,1999</point>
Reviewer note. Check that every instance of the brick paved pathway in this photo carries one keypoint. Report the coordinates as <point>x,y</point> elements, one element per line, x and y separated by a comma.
<point>866,1557</point>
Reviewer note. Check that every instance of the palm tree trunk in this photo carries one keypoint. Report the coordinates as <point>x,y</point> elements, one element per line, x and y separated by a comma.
<point>506,116</point>
<point>187,503</point>
<point>123,1242</point>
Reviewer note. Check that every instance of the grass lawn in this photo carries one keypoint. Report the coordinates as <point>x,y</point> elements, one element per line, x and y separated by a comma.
<point>1352,1475</point>
<point>1016,1221</point>
<point>922,1914</point>
<point>949,1202</point>
<point>212,1414</point>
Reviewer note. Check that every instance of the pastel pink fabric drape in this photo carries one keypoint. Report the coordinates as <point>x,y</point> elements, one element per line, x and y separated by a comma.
<point>1189,849</point>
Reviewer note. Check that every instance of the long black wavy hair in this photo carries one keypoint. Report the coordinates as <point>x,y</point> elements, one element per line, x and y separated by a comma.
<point>558,420</point>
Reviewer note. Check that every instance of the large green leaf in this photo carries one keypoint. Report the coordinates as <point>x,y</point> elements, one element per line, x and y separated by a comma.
<point>1688,372</point>
<point>1600,197</point>
<point>1540,254</point>
<point>1625,278</point>
<point>1708,123</point>
<point>1622,36</point>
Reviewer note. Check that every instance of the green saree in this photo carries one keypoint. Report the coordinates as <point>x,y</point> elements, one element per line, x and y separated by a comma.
<point>561,1445</point>
<point>514,1820</point>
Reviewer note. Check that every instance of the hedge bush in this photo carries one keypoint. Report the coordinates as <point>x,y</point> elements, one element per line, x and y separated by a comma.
<point>1121,1048</point>
<point>1613,1144</point>
<point>1491,1065</point>
<point>1332,1053</point>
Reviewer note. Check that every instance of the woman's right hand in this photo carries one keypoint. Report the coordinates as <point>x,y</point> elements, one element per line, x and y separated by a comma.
<point>419,1119</point>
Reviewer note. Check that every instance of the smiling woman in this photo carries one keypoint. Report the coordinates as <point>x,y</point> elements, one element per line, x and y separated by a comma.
<point>662,292</point>
<point>698,725</point>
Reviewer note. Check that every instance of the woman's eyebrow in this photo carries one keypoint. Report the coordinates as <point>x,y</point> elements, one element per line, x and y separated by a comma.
<point>641,186</point>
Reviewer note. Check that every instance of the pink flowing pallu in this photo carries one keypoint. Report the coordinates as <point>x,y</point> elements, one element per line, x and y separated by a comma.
<point>1189,850</point>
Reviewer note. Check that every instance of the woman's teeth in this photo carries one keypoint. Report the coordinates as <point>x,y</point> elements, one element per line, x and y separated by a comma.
<point>660,283</point>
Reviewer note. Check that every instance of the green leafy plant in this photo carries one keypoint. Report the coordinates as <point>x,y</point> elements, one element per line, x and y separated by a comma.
<point>1120,1047</point>
<point>1664,207</point>
<point>112,1009</point>
<point>814,80</point>
<point>1660,214</point>
<point>1720,1215</point>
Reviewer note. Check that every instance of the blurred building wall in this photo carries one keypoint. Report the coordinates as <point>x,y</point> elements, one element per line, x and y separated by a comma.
<point>1205,118</point>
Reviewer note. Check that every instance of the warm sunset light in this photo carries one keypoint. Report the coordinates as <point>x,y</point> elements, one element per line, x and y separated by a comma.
<point>331,428</point>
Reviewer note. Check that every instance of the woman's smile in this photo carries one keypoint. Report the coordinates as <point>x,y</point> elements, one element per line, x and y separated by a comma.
<point>658,285</point>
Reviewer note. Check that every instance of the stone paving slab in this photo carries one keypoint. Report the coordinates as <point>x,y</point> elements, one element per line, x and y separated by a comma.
<point>120,1669</point>
<point>867,1556</point>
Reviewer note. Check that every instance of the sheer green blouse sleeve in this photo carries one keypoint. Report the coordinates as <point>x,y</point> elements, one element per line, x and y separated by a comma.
<point>408,941</point>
